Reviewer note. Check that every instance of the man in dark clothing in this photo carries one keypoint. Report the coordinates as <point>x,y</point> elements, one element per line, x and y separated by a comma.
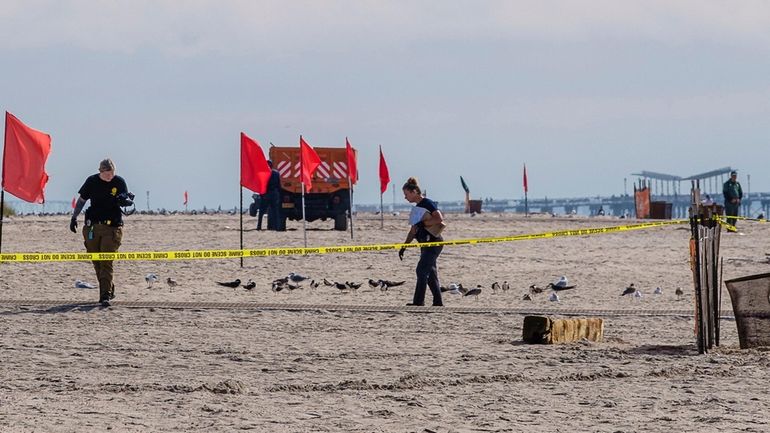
<point>273,201</point>
<point>103,229</point>
<point>733,194</point>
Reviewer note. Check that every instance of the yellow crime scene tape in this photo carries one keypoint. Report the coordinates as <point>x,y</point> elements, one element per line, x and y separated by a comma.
<point>272,252</point>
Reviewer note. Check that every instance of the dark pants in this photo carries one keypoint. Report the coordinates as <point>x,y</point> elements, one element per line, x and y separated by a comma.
<point>274,220</point>
<point>262,209</point>
<point>427,276</point>
<point>731,209</point>
<point>101,238</point>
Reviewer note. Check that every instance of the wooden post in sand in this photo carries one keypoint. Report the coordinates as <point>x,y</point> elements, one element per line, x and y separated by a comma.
<point>704,262</point>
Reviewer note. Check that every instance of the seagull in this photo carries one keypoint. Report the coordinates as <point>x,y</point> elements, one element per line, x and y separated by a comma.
<point>474,292</point>
<point>150,278</point>
<point>495,287</point>
<point>171,282</point>
<point>637,294</point>
<point>328,283</point>
<point>297,278</point>
<point>250,285</point>
<point>535,289</point>
<point>562,284</point>
<point>232,284</point>
<point>83,285</point>
<point>629,290</point>
<point>554,297</point>
<point>658,291</point>
<point>679,292</point>
<point>506,286</point>
<point>388,284</point>
<point>526,297</point>
<point>374,284</point>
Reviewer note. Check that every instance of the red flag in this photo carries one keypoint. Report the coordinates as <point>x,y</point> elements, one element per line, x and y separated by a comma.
<point>309,161</point>
<point>384,174</point>
<point>26,151</point>
<point>74,202</point>
<point>185,198</point>
<point>254,169</point>
<point>525,179</point>
<point>352,167</point>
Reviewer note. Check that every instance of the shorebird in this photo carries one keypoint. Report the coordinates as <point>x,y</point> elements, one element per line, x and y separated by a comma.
<point>495,287</point>
<point>679,293</point>
<point>277,287</point>
<point>629,290</point>
<point>171,282</point>
<point>562,284</point>
<point>554,297</point>
<point>526,297</point>
<point>388,284</point>
<point>506,286</point>
<point>637,294</point>
<point>353,286</point>
<point>83,285</point>
<point>297,278</point>
<point>328,283</point>
<point>292,286</point>
<point>231,284</point>
<point>341,286</point>
<point>474,292</point>
<point>150,278</point>
<point>658,291</point>
<point>374,284</point>
<point>283,280</point>
<point>313,284</point>
<point>535,289</point>
<point>250,285</point>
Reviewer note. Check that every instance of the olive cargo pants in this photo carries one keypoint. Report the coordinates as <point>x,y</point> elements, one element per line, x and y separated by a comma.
<point>101,238</point>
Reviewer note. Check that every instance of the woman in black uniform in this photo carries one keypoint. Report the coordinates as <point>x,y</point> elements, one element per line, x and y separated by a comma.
<point>426,218</point>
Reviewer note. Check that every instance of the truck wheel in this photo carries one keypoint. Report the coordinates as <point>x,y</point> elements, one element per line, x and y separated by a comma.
<point>341,221</point>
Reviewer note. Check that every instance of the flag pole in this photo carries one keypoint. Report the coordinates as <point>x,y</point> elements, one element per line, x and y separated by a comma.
<point>2,186</point>
<point>350,204</point>
<point>382,214</point>
<point>304,221</point>
<point>526,208</point>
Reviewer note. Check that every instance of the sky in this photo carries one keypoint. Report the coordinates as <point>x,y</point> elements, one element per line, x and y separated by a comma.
<point>584,93</point>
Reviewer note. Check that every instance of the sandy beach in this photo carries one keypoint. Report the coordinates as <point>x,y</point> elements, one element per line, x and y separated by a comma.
<point>75,366</point>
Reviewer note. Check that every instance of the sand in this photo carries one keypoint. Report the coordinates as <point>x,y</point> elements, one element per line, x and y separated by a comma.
<point>80,367</point>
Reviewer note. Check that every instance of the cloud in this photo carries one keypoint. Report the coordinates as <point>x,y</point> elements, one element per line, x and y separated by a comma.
<point>278,28</point>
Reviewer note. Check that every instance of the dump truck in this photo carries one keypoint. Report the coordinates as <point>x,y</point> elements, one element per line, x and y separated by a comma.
<point>329,197</point>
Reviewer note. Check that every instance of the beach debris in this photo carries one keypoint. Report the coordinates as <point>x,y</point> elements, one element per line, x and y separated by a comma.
<point>526,297</point>
<point>171,282</point>
<point>562,284</point>
<point>658,291</point>
<point>297,278</point>
<point>231,284</point>
<point>629,290</point>
<point>506,286</point>
<point>250,285</point>
<point>554,297</point>
<point>150,278</point>
<point>83,285</point>
<point>679,293</point>
<point>495,287</point>
<point>535,289</point>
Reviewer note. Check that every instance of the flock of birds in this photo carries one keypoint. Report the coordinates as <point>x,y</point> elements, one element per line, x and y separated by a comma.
<point>295,281</point>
